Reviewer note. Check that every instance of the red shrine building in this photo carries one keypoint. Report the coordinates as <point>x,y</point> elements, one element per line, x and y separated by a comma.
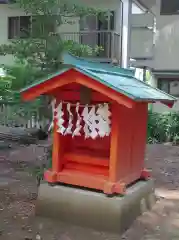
<point>100,124</point>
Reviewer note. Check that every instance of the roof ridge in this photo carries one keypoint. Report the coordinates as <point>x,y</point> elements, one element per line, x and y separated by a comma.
<point>105,71</point>
<point>68,58</point>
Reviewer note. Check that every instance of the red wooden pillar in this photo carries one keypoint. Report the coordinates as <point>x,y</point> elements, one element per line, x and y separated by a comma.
<point>114,144</point>
<point>113,186</point>
<point>57,151</point>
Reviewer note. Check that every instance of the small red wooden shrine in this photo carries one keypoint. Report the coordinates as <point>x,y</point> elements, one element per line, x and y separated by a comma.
<point>113,162</point>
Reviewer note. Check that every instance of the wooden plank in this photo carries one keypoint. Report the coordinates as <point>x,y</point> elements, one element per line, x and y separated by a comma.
<point>86,159</point>
<point>91,169</point>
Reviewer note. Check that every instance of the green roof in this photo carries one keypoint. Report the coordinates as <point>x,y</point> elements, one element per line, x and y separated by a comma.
<point>83,62</point>
<point>119,79</point>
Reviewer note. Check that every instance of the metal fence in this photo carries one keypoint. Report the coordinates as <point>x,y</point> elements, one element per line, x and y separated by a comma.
<point>110,42</point>
<point>11,116</point>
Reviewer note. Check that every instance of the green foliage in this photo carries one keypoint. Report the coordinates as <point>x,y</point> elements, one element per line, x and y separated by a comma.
<point>81,50</point>
<point>39,52</point>
<point>41,46</point>
<point>25,71</point>
<point>163,127</point>
<point>23,75</point>
<point>5,85</point>
<point>56,8</point>
<point>37,55</point>
<point>20,112</point>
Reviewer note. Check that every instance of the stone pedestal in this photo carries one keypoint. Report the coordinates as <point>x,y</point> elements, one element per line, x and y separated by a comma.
<point>95,210</point>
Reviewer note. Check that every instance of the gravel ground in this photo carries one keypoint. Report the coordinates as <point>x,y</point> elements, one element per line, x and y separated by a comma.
<point>18,192</point>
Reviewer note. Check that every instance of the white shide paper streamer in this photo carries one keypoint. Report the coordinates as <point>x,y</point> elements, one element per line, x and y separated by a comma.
<point>96,120</point>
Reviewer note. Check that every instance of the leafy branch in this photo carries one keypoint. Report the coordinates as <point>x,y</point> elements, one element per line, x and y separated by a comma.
<point>40,50</point>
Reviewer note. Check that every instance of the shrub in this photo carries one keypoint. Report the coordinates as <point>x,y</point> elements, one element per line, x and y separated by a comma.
<point>163,127</point>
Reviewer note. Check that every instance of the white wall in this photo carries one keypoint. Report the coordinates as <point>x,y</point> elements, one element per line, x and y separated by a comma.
<point>166,55</point>
<point>5,12</point>
<point>10,11</point>
<point>139,42</point>
<point>166,49</point>
<point>142,35</point>
<point>136,9</point>
<point>161,108</point>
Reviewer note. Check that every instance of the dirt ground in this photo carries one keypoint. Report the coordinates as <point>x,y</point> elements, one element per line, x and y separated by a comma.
<point>18,192</point>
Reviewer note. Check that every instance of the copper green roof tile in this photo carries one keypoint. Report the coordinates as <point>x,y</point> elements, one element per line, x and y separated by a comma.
<point>85,63</point>
<point>118,79</point>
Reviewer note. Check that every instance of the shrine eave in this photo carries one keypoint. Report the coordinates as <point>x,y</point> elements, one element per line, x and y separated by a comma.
<point>122,81</point>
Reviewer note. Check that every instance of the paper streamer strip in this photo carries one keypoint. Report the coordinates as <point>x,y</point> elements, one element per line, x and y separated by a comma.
<point>78,125</point>
<point>70,120</point>
<point>53,103</point>
<point>85,114</point>
<point>104,114</point>
<point>92,123</point>
<point>60,119</point>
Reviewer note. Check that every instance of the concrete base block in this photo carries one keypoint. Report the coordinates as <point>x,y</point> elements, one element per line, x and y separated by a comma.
<point>95,210</point>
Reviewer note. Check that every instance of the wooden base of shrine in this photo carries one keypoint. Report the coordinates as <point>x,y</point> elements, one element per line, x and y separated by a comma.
<point>95,210</point>
<point>95,181</point>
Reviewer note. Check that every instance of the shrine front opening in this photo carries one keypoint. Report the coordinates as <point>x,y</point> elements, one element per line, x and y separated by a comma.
<point>82,122</point>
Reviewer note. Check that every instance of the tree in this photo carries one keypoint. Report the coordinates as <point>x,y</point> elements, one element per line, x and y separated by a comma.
<point>41,45</point>
<point>39,51</point>
<point>5,84</point>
